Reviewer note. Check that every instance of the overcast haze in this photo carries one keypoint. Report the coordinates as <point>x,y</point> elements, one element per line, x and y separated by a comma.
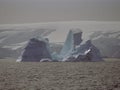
<point>35,11</point>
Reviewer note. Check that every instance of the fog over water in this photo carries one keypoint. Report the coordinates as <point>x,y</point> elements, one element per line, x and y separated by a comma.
<point>39,11</point>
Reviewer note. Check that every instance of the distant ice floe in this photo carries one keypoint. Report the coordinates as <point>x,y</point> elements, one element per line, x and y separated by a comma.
<point>16,46</point>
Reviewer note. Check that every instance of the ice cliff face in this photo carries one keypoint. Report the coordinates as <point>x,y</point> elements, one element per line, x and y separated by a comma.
<point>68,45</point>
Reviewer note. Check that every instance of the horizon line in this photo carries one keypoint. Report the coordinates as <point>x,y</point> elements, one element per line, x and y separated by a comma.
<point>56,22</point>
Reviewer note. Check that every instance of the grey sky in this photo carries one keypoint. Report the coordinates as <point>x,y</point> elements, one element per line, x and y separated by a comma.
<point>34,11</point>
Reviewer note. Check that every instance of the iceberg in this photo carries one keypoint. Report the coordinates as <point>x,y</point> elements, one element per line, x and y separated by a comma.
<point>35,51</point>
<point>74,50</point>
